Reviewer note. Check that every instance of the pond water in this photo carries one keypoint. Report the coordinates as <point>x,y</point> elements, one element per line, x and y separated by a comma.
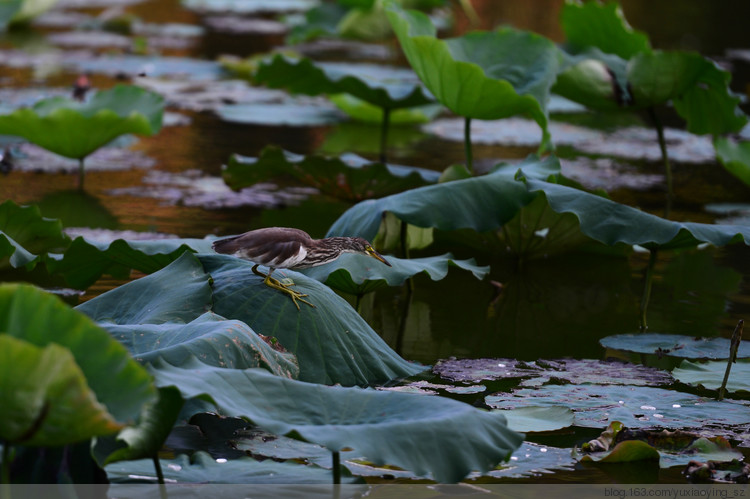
<point>546,308</point>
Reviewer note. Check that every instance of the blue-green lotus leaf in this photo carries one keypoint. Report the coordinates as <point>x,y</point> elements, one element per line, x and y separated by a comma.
<point>44,387</point>
<point>119,383</point>
<point>675,345</point>
<point>24,234</point>
<point>409,431</point>
<point>484,75</point>
<point>76,129</point>
<point>711,375</point>
<point>382,86</point>
<point>357,275</point>
<point>735,156</point>
<point>349,176</point>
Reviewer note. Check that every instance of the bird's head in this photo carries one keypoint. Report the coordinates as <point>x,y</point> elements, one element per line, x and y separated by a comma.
<point>366,248</point>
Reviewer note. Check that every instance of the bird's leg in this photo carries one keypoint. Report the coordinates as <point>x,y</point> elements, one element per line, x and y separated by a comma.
<point>275,284</point>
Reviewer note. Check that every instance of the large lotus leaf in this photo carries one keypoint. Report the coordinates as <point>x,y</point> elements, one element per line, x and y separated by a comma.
<point>610,223</point>
<point>333,344</point>
<point>675,345</point>
<point>735,156</point>
<point>602,25</point>
<point>404,430</point>
<point>698,88</point>
<point>349,176</point>
<point>357,275</point>
<point>85,260</point>
<point>179,293</point>
<point>24,234</point>
<point>76,129</point>
<point>119,383</point>
<point>46,400</point>
<point>711,375</point>
<point>216,341</point>
<point>383,86</point>
<point>484,75</point>
<point>635,406</point>
<point>201,468</point>
<point>480,203</point>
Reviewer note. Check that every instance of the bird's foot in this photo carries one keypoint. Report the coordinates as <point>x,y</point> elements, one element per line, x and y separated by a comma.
<point>284,288</point>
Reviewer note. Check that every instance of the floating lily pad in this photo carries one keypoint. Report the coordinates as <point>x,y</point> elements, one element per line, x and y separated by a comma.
<point>537,419</point>
<point>135,65</point>
<point>209,95</point>
<point>542,371</point>
<point>248,6</point>
<point>294,112</point>
<point>349,177</point>
<point>711,375</point>
<point>635,406</point>
<point>674,345</point>
<point>534,460</point>
<point>32,158</point>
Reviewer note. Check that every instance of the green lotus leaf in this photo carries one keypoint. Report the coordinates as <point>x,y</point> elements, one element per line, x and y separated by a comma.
<point>363,111</point>
<point>320,20</point>
<point>46,399</point>
<point>625,452</point>
<point>349,176</point>
<point>120,384</point>
<point>202,468</point>
<point>711,374</point>
<point>480,203</point>
<point>404,430</point>
<point>24,234</point>
<point>531,419</point>
<point>21,11</point>
<point>602,25</point>
<point>595,406</point>
<point>76,129</point>
<point>735,156</point>
<point>674,345</point>
<point>595,79</point>
<point>333,344</point>
<point>356,275</point>
<point>382,86</point>
<point>483,75</point>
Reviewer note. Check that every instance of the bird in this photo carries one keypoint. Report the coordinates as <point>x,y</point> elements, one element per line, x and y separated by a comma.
<point>289,248</point>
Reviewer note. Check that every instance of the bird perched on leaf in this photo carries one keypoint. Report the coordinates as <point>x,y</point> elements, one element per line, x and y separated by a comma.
<point>286,248</point>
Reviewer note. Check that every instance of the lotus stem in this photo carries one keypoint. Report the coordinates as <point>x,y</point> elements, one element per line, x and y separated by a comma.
<point>647,287</point>
<point>665,160</point>
<point>467,145</point>
<point>384,124</point>
<point>470,12</point>
<point>336,458</point>
<point>160,477</point>
<point>80,174</point>
<point>733,347</point>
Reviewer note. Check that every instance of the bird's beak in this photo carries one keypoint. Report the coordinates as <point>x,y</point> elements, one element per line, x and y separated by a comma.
<point>377,256</point>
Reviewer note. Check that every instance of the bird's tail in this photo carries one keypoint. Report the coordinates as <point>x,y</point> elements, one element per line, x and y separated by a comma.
<point>225,245</point>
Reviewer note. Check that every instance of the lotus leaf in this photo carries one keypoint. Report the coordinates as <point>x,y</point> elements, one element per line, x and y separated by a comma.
<point>76,129</point>
<point>674,345</point>
<point>635,406</point>
<point>625,452</point>
<point>363,111</point>
<point>24,233</point>
<point>288,113</point>
<point>484,75</point>
<point>349,177</point>
<point>333,344</point>
<point>382,86</point>
<point>118,382</point>
<point>19,11</point>
<point>386,427</point>
<point>202,468</point>
<point>349,274</point>
<point>248,6</point>
<point>735,156</point>
<point>320,20</point>
<point>46,400</point>
<point>534,419</point>
<point>711,374</point>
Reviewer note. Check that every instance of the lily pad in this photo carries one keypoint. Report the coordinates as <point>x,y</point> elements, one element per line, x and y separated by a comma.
<point>350,274</point>
<point>248,6</point>
<point>385,427</point>
<point>711,375</point>
<point>349,176</point>
<point>46,399</point>
<point>635,406</point>
<point>483,75</point>
<point>293,112</point>
<point>674,345</point>
<point>133,66</point>
<point>534,460</point>
<point>538,419</point>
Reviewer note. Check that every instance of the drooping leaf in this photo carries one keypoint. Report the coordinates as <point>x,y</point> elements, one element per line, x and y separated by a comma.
<point>355,275</point>
<point>484,75</point>
<point>735,156</point>
<point>674,345</point>
<point>46,399</point>
<point>349,176</point>
<point>382,86</point>
<point>602,25</point>
<point>386,427</point>
<point>333,344</point>
<point>76,129</point>
<point>635,406</point>
<point>32,315</point>
<point>25,234</point>
<point>711,375</point>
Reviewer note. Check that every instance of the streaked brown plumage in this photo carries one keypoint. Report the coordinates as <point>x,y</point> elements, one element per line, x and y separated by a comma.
<point>287,248</point>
